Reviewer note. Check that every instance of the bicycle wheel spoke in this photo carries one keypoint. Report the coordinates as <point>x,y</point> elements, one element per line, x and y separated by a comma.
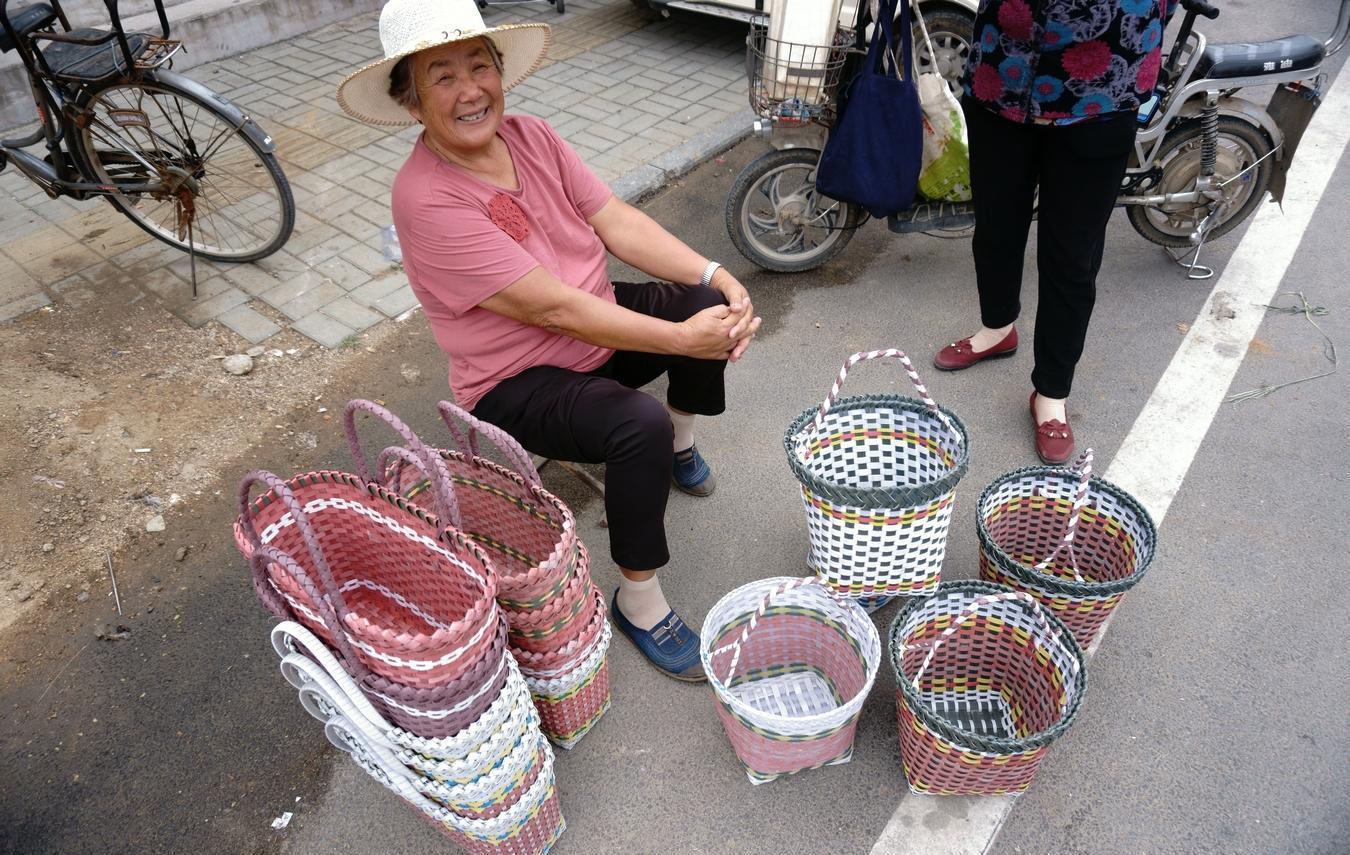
<point>242,207</point>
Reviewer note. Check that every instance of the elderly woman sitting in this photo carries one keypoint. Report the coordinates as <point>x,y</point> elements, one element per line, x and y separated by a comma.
<point>504,234</point>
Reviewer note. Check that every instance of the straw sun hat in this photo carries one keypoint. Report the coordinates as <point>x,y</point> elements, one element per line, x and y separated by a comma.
<point>409,26</point>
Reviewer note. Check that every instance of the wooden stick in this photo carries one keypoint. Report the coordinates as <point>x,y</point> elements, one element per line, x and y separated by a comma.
<point>116,598</point>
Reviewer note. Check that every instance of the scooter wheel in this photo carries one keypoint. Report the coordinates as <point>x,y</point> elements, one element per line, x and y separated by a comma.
<point>1240,145</point>
<point>778,220</point>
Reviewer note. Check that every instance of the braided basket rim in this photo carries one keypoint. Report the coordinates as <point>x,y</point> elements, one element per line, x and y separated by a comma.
<point>877,498</point>
<point>1044,582</point>
<point>965,739</point>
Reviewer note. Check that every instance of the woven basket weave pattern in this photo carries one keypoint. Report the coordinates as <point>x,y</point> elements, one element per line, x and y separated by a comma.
<point>998,690</point>
<point>1021,519</point>
<point>877,475</point>
<point>802,674</point>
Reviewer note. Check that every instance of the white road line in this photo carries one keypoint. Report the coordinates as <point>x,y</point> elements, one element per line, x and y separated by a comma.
<point>1181,408</point>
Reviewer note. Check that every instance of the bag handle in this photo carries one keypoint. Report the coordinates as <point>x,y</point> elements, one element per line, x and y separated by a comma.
<point>889,353</point>
<point>442,488</point>
<point>515,453</point>
<point>923,31</point>
<point>329,600</point>
<point>969,612</point>
<point>759,613</point>
<point>883,37</point>
<point>1082,466</point>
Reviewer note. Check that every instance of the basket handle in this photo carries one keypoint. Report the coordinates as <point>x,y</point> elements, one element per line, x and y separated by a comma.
<point>396,456</point>
<point>889,353</point>
<point>1082,466</point>
<point>515,453</point>
<point>442,488</point>
<point>292,639</point>
<point>331,603</point>
<point>970,611</point>
<point>754,619</point>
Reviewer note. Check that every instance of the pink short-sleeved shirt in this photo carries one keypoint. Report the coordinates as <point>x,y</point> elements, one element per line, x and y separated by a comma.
<point>462,243</point>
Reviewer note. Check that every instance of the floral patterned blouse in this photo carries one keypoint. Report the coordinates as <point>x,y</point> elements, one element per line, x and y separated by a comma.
<point>1066,61</point>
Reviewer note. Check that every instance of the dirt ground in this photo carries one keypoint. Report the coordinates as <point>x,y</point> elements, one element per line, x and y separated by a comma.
<point>115,416</point>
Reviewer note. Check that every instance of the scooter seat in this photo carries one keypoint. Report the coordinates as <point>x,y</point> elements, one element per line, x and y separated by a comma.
<point>1252,59</point>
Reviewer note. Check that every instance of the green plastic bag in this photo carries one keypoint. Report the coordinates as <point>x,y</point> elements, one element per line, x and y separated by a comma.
<point>945,172</point>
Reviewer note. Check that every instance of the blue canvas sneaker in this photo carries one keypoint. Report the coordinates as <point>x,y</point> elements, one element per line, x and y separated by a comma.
<point>691,473</point>
<point>670,645</point>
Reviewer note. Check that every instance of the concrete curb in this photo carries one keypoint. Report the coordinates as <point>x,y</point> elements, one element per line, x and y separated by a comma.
<point>640,183</point>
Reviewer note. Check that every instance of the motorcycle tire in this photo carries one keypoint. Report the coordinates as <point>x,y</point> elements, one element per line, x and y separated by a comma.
<point>952,31</point>
<point>776,219</point>
<point>1240,144</point>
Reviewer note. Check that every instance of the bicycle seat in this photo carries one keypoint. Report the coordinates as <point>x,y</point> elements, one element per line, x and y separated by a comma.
<point>91,63</point>
<point>25,21</point>
<point>1252,59</point>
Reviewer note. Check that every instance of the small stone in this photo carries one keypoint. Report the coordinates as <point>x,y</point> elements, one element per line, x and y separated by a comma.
<point>48,547</point>
<point>81,596</point>
<point>26,596</point>
<point>180,554</point>
<point>255,351</point>
<point>155,523</point>
<point>411,376</point>
<point>237,364</point>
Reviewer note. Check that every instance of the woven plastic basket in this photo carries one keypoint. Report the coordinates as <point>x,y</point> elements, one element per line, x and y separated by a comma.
<point>429,712</point>
<point>530,826</point>
<point>1075,542</point>
<point>790,665</point>
<point>572,704</point>
<point>499,760</point>
<point>326,689</point>
<point>987,680</point>
<point>415,610</point>
<point>529,533</point>
<point>877,474</point>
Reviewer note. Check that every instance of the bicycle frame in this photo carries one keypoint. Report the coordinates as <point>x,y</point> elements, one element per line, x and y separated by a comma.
<point>59,111</point>
<point>1187,97</point>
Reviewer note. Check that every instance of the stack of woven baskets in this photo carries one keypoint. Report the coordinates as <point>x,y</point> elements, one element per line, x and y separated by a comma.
<point>557,627</point>
<point>392,633</point>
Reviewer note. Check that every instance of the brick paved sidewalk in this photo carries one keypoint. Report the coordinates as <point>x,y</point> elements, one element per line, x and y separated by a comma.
<point>638,99</point>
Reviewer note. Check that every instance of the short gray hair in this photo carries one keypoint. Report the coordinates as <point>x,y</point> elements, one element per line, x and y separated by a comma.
<point>402,87</point>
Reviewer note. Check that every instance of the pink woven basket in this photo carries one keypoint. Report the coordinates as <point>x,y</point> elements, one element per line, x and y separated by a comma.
<point>529,532</point>
<point>414,609</point>
<point>562,658</point>
<point>571,704</point>
<point>431,713</point>
<point>564,635</point>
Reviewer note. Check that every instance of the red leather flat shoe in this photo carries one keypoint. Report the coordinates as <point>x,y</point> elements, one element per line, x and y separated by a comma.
<point>1054,438</point>
<point>959,354</point>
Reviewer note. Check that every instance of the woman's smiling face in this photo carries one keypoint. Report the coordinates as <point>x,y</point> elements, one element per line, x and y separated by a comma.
<point>460,93</point>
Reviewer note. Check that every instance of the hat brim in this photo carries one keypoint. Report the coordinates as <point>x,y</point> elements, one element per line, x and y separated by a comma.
<point>364,94</point>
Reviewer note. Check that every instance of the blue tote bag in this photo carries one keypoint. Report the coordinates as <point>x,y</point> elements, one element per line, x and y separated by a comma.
<point>874,153</point>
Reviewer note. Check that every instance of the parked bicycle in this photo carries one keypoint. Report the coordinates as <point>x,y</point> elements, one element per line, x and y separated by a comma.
<point>1204,156</point>
<point>183,162</point>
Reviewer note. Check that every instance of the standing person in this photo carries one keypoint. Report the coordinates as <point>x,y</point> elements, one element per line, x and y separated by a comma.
<point>1052,92</point>
<point>504,234</point>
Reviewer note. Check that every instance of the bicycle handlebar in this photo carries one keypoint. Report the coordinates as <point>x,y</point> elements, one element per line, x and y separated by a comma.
<point>1200,7</point>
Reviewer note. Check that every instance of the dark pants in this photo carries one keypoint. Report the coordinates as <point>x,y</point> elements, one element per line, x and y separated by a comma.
<point>599,417</point>
<point>1079,170</point>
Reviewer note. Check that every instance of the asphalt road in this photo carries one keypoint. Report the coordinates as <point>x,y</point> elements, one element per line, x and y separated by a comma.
<point>1216,719</point>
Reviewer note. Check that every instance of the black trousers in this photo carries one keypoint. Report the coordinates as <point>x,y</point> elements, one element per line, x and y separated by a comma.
<point>1079,170</point>
<point>599,417</point>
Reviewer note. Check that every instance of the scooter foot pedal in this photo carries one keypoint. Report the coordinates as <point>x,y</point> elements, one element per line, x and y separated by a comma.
<point>930,216</point>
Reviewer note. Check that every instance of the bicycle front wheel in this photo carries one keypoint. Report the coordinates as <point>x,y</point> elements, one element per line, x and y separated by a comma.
<point>217,180</point>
